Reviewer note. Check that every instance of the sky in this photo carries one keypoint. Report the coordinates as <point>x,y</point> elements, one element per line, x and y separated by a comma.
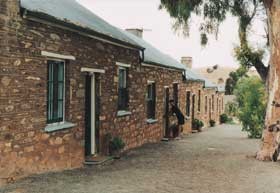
<point>145,14</point>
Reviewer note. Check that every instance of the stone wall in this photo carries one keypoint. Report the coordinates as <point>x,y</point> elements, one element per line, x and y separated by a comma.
<point>203,114</point>
<point>212,113</point>
<point>25,147</point>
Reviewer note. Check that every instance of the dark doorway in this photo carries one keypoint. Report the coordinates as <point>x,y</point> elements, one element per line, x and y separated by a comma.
<point>193,107</point>
<point>210,109</point>
<point>166,113</point>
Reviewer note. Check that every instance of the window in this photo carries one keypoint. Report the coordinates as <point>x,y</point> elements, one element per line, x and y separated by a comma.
<point>175,93</point>
<point>123,95</point>
<point>199,100</point>
<point>188,104</point>
<point>151,101</point>
<point>55,100</point>
<point>206,102</point>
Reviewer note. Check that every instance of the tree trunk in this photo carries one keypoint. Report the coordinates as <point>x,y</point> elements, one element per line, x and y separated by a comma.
<point>269,140</point>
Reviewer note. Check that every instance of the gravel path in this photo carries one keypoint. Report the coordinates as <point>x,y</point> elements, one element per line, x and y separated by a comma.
<point>218,160</point>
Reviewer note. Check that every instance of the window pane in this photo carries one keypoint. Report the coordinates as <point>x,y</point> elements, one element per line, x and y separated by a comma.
<point>60,90</point>
<point>60,72</point>
<point>150,92</point>
<point>60,109</point>
<point>122,78</point>
<point>123,95</point>
<point>151,101</point>
<point>55,91</point>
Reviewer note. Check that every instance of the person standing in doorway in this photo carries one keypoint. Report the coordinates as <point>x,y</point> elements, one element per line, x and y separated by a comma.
<point>180,117</point>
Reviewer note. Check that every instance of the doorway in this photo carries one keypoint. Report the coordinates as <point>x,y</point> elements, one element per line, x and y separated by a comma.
<point>193,108</point>
<point>92,115</point>
<point>166,113</point>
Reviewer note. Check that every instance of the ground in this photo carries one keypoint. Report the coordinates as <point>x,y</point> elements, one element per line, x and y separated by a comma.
<point>218,160</point>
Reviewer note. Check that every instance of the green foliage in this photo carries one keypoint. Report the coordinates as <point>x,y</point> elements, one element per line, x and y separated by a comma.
<point>214,12</point>
<point>251,99</point>
<point>224,118</point>
<point>197,124</point>
<point>212,123</point>
<point>233,79</point>
<point>232,109</point>
<point>117,144</point>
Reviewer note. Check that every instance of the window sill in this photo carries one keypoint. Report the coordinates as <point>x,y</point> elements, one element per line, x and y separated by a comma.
<point>123,113</point>
<point>59,126</point>
<point>152,121</point>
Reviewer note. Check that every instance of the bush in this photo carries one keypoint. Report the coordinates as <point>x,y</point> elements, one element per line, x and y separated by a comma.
<point>251,100</point>
<point>224,118</point>
<point>212,123</point>
<point>232,109</point>
<point>117,144</point>
<point>197,124</point>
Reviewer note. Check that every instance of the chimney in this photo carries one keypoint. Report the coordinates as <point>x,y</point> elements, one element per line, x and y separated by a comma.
<point>136,32</point>
<point>188,61</point>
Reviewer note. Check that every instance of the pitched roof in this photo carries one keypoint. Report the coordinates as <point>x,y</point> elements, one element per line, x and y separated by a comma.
<point>154,56</point>
<point>71,12</point>
<point>207,83</point>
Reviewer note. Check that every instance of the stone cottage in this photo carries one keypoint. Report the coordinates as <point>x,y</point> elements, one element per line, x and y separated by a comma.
<point>69,79</point>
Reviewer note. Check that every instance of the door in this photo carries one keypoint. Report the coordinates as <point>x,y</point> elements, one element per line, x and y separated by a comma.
<point>193,107</point>
<point>166,112</point>
<point>210,109</point>
<point>91,115</point>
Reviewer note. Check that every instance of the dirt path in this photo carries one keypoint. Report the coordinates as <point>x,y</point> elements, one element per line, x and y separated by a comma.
<point>217,160</point>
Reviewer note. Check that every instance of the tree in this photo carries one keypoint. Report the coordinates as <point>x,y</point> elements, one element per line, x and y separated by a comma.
<point>251,100</point>
<point>233,78</point>
<point>214,12</point>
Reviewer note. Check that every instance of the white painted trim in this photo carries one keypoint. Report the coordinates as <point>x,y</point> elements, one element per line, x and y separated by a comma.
<point>60,56</point>
<point>151,81</point>
<point>92,70</point>
<point>93,142</point>
<point>166,86</point>
<point>123,65</point>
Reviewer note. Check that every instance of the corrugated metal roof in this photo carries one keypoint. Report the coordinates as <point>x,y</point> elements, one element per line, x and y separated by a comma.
<point>221,88</point>
<point>191,75</point>
<point>154,55</point>
<point>70,11</point>
<point>207,83</point>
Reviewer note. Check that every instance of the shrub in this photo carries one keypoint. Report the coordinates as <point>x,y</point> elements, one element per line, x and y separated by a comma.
<point>232,109</point>
<point>197,124</point>
<point>251,100</point>
<point>224,118</point>
<point>117,144</point>
<point>212,123</point>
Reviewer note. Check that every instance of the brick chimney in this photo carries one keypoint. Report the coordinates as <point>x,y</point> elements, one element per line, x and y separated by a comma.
<point>136,32</point>
<point>188,61</point>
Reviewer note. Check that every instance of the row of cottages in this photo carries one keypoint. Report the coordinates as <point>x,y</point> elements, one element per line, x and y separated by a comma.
<point>69,79</point>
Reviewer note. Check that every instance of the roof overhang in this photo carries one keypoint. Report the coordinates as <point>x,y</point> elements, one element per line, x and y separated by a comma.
<point>67,25</point>
<point>157,65</point>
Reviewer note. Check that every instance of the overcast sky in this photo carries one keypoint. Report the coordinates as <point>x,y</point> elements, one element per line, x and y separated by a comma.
<point>145,14</point>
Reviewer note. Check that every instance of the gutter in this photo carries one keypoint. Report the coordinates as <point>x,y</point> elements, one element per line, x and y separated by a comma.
<point>84,31</point>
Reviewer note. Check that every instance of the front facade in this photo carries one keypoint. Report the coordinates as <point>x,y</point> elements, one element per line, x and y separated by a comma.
<point>65,90</point>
